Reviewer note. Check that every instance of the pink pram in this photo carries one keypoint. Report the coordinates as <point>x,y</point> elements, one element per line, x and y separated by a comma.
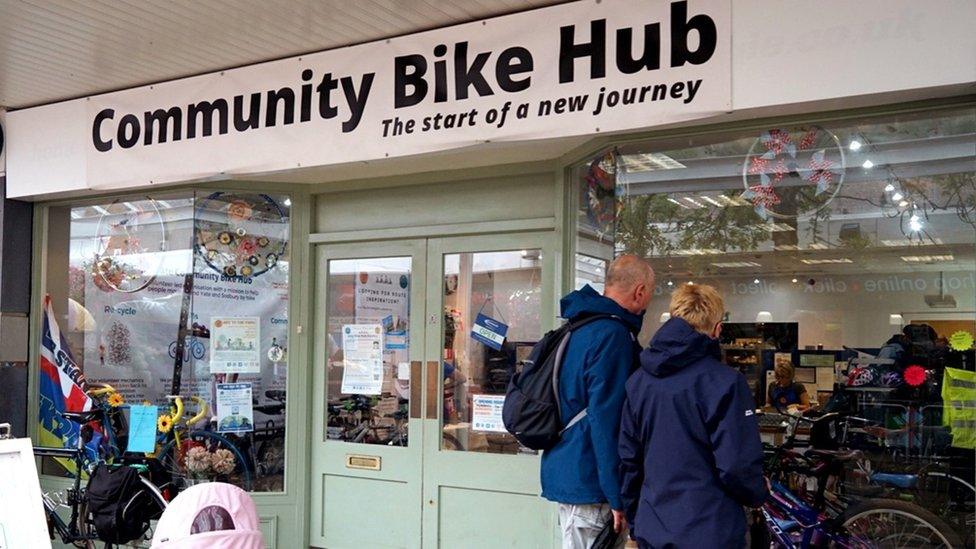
<point>212,515</point>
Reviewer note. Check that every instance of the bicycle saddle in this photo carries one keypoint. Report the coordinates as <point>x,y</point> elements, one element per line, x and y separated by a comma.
<point>82,418</point>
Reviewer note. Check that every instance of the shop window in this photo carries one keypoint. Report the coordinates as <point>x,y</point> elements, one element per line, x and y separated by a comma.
<point>846,249</point>
<point>175,294</point>
<point>492,306</point>
<point>368,351</point>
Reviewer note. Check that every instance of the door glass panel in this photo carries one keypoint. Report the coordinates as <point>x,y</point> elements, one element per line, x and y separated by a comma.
<point>492,304</point>
<point>368,374</point>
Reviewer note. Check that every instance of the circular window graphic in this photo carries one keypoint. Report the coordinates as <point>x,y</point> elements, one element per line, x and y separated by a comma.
<point>793,172</point>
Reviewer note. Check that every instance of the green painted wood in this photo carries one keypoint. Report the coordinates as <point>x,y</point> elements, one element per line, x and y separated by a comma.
<point>353,507</point>
<point>474,499</point>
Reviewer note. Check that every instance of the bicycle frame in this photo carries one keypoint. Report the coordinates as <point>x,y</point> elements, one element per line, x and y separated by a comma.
<point>67,531</point>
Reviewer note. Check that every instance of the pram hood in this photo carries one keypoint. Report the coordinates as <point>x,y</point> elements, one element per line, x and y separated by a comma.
<point>192,520</point>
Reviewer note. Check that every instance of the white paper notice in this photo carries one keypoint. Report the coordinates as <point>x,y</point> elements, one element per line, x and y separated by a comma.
<point>236,345</point>
<point>235,411</point>
<point>362,359</point>
<point>486,413</point>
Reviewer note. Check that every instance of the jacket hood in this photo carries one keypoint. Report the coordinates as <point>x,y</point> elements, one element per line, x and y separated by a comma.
<point>587,301</point>
<point>675,346</point>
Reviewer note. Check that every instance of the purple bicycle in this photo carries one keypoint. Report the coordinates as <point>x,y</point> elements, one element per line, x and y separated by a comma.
<point>808,508</point>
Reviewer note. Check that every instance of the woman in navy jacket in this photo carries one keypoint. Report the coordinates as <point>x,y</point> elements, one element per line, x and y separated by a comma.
<point>691,456</point>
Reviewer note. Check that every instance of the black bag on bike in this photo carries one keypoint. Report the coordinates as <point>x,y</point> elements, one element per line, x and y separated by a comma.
<point>120,505</point>
<point>531,411</point>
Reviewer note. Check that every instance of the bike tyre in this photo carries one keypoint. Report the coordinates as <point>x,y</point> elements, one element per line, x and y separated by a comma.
<point>874,506</point>
<point>178,471</point>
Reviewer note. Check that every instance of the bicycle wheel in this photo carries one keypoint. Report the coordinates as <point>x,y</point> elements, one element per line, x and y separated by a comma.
<point>177,461</point>
<point>893,524</point>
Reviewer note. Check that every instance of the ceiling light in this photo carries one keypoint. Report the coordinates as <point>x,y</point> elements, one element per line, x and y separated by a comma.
<point>690,283</point>
<point>855,145</point>
<point>673,201</point>
<point>895,320</point>
<point>525,253</point>
<point>903,204</point>
<point>927,258</point>
<point>867,164</point>
<point>755,281</point>
<point>288,202</point>
<point>764,316</point>
<point>794,280</point>
<point>647,162</point>
<point>736,264</point>
<point>897,196</point>
<point>912,242</point>
<point>889,187</point>
<point>712,201</point>
<point>826,261</point>
<point>695,202</point>
<point>818,246</point>
<point>914,223</point>
<point>670,283</point>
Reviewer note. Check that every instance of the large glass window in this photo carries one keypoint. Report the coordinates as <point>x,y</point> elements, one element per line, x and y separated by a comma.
<point>180,294</point>
<point>845,249</point>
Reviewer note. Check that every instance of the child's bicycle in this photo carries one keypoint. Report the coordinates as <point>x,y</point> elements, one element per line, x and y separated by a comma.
<point>807,507</point>
<point>194,455</point>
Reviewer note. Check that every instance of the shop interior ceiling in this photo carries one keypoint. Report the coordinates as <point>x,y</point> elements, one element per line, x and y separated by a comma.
<point>63,49</point>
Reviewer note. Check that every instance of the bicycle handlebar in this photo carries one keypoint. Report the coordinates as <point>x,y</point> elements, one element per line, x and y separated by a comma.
<point>100,389</point>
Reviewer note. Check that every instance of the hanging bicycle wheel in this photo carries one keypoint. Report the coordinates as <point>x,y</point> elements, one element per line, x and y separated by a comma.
<point>241,235</point>
<point>205,456</point>
<point>893,524</point>
<point>130,240</point>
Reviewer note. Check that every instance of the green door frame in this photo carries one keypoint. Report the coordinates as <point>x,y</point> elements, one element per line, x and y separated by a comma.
<point>398,465</point>
<point>506,476</point>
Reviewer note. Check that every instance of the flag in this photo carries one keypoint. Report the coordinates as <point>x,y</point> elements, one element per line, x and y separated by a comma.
<point>62,385</point>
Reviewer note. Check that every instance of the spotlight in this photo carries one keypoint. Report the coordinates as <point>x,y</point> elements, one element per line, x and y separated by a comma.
<point>670,283</point>
<point>855,145</point>
<point>794,280</point>
<point>915,223</point>
<point>889,187</point>
<point>903,204</point>
<point>755,281</point>
<point>867,164</point>
<point>897,196</point>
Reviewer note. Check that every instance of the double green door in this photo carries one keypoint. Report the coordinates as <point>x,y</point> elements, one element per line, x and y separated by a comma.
<point>414,343</point>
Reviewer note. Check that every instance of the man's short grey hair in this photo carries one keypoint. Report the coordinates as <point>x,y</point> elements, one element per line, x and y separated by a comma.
<point>628,271</point>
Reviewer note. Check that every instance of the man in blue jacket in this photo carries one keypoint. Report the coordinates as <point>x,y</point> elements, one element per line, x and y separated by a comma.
<point>690,452</point>
<point>581,473</point>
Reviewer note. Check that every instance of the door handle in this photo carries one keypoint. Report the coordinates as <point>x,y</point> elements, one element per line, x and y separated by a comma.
<point>416,390</point>
<point>432,382</point>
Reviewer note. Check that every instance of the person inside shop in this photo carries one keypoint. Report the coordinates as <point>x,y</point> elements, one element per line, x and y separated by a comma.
<point>581,473</point>
<point>784,393</point>
<point>691,457</point>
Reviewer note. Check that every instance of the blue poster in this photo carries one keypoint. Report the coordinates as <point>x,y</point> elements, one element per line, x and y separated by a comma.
<point>142,429</point>
<point>489,331</point>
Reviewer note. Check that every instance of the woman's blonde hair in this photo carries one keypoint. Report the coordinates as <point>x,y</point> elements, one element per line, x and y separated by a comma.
<point>699,305</point>
<point>784,370</point>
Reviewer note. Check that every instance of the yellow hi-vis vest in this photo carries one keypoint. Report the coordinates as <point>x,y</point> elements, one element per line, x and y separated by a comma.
<point>959,406</point>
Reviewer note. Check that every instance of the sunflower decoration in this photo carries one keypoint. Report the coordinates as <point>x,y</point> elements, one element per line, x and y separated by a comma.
<point>115,400</point>
<point>164,423</point>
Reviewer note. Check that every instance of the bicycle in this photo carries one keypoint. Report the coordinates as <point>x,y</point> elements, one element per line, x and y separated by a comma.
<point>79,529</point>
<point>793,518</point>
<point>199,455</point>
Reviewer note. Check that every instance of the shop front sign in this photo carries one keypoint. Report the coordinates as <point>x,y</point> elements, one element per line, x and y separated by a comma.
<point>568,70</point>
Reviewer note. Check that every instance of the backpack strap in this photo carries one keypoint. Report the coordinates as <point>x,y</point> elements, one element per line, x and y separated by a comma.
<point>561,350</point>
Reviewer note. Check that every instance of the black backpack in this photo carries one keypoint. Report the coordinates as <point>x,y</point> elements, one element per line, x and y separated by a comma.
<point>531,412</point>
<point>119,503</point>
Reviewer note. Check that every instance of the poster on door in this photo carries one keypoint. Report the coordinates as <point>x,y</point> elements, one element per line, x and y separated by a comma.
<point>362,359</point>
<point>384,298</point>
<point>486,413</point>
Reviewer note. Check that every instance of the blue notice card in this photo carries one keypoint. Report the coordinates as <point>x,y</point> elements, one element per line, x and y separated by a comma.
<point>489,331</point>
<point>142,429</point>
